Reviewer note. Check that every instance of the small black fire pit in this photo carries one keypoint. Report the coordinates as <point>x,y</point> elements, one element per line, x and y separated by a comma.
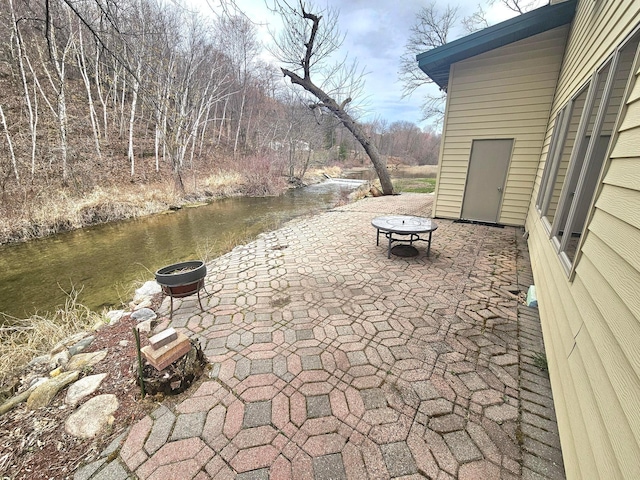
<point>182,279</point>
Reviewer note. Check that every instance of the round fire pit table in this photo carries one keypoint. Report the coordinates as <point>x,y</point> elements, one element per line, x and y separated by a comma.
<point>181,280</point>
<point>407,229</point>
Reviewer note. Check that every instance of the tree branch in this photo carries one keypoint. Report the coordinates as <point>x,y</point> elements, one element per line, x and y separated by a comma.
<point>306,63</point>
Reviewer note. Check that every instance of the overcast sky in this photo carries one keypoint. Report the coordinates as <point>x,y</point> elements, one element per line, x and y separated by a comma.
<point>376,34</point>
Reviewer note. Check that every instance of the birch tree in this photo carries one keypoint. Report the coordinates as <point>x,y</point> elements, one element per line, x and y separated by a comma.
<point>5,127</point>
<point>58,59</point>
<point>237,36</point>
<point>31,106</point>
<point>82,66</point>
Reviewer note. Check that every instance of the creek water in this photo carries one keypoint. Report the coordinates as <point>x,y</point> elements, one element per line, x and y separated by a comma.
<point>104,261</point>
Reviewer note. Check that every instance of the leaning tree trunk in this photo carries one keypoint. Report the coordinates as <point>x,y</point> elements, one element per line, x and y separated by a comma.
<point>351,125</point>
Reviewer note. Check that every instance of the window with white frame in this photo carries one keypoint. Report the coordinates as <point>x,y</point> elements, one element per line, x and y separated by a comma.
<point>578,150</point>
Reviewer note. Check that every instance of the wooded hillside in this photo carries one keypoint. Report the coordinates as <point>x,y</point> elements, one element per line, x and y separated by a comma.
<point>102,93</point>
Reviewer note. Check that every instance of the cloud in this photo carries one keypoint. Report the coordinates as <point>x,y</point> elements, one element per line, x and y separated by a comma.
<point>376,32</point>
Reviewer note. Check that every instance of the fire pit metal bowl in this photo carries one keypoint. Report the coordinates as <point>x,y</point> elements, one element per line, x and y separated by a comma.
<point>181,280</point>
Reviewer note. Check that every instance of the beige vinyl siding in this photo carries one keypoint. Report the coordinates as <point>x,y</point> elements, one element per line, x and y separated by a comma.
<point>591,322</point>
<point>505,93</point>
<point>616,18</point>
<point>599,26</point>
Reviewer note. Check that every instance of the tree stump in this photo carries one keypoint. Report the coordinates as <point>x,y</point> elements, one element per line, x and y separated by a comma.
<point>178,376</point>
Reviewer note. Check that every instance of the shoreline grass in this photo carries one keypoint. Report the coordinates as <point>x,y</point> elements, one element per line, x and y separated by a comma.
<point>22,340</point>
<point>63,210</point>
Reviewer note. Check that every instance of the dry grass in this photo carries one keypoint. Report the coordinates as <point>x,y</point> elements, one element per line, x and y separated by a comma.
<point>423,171</point>
<point>56,210</point>
<point>223,182</point>
<point>53,212</point>
<point>21,340</point>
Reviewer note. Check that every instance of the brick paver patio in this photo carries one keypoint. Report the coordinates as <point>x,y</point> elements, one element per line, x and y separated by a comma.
<point>331,361</point>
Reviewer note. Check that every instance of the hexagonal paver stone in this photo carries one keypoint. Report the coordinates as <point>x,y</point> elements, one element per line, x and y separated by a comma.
<point>329,467</point>
<point>373,398</point>
<point>502,413</point>
<point>425,390</point>
<point>113,471</point>
<point>189,425</point>
<point>398,459</point>
<point>382,326</point>
<point>306,334</point>
<point>264,337</point>
<point>261,474</point>
<point>473,381</point>
<point>318,406</point>
<point>243,368</point>
<point>261,366</point>
<point>462,446</point>
<point>344,330</point>
<point>311,362</point>
<point>257,414</point>
<point>357,358</point>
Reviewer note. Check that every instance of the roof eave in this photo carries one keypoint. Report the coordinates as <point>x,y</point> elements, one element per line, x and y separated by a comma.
<point>436,63</point>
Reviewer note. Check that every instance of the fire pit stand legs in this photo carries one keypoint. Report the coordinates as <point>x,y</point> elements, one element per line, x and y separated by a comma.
<point>181,291</point>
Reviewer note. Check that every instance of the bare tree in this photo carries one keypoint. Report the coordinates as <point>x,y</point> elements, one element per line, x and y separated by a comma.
<point>14,164</point>
<point>31,106</point>
<point>519,6</point>
<point>476,21</point>
<point>305,45</point>
<point>82,67</point>
<point>59,85</point>
<point>238,41</point>
<point>432,29</point>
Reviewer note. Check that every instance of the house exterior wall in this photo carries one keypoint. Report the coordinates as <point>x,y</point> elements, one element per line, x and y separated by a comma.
<point>591,317</point>
<point>505,93</point>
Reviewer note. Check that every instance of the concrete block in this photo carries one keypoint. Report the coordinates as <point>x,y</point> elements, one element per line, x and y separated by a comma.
<point>169,353</point>
<point>163,338</point>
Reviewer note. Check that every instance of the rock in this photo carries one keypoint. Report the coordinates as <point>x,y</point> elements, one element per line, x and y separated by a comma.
<point>123,343</point>
<point>375,191</point>
<point>63,344</point>
<point>146,291</point>
<point>44,393</point>
<point>144,314</point>
<point>114,316</point>
<point>81,345</point>
<point>98,325</point>
<point>35,381</point>
<point>83,360</point>
<point>59,359</point>
<point>8,390</point>
<point>56,372</point>
<point>93,416</point>
<point>145,326</point>
<point>83,387</point>
<point>146,303</point>
<point>16,400</point>
<point>41,360</point>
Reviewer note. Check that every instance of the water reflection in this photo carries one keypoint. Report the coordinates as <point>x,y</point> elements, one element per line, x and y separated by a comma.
<point>104,260</point>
